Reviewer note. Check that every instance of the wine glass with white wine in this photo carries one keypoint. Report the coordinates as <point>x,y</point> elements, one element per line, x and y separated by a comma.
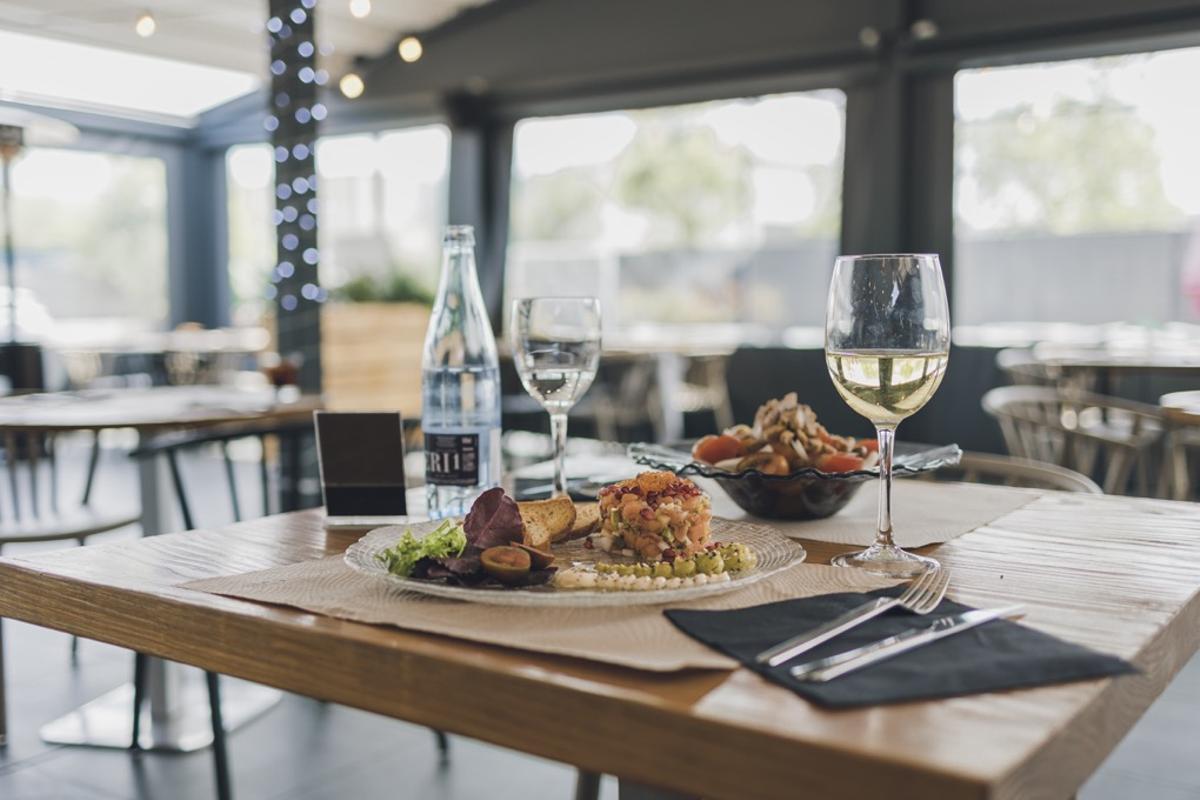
<point>887,343</point>
<point>556,350</point>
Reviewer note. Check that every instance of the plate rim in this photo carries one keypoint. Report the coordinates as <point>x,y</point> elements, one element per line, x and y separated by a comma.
<point>566,598</point>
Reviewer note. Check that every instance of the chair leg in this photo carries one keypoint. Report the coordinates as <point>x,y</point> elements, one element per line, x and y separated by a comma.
<point>75,639</point>
<point>3,705</point>
<point>3,708</point>
<point>140,665</point>
<point>220,756</point>
<point>587,785</point>
<point>443,746</point>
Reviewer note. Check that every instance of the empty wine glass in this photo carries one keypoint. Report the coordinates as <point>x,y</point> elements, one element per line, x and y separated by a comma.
<point>887,343</point>
<point>556,350</point>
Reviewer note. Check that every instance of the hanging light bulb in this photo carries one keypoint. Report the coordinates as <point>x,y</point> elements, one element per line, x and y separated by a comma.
<point>410,49</point>
<point>360,8</point>
<point>351,85</point>
<point>145,25</point>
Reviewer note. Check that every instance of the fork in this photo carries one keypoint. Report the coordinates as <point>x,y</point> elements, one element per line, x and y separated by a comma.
<point>921,597</point>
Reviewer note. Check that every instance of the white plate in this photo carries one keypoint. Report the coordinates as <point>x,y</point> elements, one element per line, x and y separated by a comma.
<point>775,552</point>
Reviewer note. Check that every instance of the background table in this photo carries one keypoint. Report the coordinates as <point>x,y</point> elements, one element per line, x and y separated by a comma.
<point>178,716</point>
<point>1115,573</point>
<point>1182,413</point>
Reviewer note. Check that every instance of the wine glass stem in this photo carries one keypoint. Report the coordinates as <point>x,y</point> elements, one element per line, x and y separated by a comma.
<point>887,438</point>
<point>558,432</point>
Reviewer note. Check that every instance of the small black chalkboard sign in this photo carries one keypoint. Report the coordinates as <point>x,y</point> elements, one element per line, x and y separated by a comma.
<point>361,455</point>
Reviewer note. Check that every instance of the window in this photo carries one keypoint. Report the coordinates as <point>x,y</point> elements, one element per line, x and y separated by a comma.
<point>382,209</point>
<point>91,240</point>
<point>1076,191</point>
<point>701,213</point>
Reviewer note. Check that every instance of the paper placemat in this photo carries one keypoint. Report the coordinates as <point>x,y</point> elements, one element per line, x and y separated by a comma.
<point>638,636</point>
<point>923,512</point>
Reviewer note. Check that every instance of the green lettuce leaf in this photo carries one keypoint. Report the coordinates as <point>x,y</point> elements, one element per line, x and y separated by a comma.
<point>447,541</point>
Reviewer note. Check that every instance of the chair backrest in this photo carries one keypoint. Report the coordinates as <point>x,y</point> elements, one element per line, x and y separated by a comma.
<point>1081,431</point>
<point>171,445</point>
<point>1022,369</point>
<point>1011,471</point>
<point>30,490</point>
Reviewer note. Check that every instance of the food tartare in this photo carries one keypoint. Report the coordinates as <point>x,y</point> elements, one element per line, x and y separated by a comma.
<point>657,515</point>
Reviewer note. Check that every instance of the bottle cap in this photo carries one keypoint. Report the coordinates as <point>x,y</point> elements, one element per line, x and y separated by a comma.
<point>459,236</point>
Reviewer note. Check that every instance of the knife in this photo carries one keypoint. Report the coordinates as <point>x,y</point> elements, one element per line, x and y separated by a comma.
<point>835,666</point>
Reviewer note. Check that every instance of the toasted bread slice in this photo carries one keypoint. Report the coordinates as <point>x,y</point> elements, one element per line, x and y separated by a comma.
<point>587,520</point>
<point>546,520</point>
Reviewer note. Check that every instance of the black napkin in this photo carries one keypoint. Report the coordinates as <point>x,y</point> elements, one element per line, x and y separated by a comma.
<point>994,656</point>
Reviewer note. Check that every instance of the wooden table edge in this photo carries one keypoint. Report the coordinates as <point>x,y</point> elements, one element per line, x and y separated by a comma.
<point>781,763</point>
<point>1058,762</point>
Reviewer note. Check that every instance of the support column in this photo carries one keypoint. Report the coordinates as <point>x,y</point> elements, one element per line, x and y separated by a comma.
<point>899,187</point>
<point>480,172</point>
<point>293,118</point>
<point>198,237</point>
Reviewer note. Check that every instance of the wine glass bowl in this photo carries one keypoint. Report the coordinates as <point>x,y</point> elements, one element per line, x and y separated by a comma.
<point>887,345</point>
<point>556,351</point>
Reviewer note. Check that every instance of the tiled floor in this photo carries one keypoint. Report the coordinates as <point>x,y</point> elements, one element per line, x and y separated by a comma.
<point>304,750</point>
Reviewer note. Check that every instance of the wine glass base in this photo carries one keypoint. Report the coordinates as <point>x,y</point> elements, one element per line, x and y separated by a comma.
<point>891,562</point>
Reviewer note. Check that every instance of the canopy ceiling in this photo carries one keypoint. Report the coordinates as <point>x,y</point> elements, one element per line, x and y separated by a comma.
<point>220,33</point>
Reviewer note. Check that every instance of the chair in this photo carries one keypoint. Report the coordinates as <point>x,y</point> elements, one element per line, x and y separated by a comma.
<point>1080,431</point>
<point>1010,471</point>
<point>170,446</point>
<point>33,512</point>
<point>1024,368</point>
<point>704,389</point>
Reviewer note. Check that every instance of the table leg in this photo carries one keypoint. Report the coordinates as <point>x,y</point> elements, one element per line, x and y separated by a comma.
<point>587,785</point>
<point>628,790</point>
<point>1177,466</point>
<point>178,717</point>
<point>669,368</point>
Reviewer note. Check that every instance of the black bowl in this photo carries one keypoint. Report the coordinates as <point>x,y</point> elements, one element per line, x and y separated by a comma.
<point>807,493</point>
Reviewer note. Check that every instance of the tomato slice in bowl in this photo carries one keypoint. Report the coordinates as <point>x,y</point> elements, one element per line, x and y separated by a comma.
<point>839,462</point>
<point>712,449</point>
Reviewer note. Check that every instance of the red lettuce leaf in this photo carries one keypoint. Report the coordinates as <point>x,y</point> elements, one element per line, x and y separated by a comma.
<point>493,521</point>
<point>463,565</point>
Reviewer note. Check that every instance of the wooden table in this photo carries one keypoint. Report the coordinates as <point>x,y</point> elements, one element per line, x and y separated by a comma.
<point>177,718</point>
<point>1182,413</point>
<point>1115,573</point>
<point>1100,366</point>
<point>184,355</point>
<point>1182,408</point>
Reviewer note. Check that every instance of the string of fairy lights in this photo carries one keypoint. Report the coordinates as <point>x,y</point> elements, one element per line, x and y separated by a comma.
<point>410,48</point>
<point>292,123</point>
<point>293,120</point>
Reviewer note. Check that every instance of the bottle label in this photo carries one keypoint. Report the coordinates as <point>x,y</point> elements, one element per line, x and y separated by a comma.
<point>452,459</point>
